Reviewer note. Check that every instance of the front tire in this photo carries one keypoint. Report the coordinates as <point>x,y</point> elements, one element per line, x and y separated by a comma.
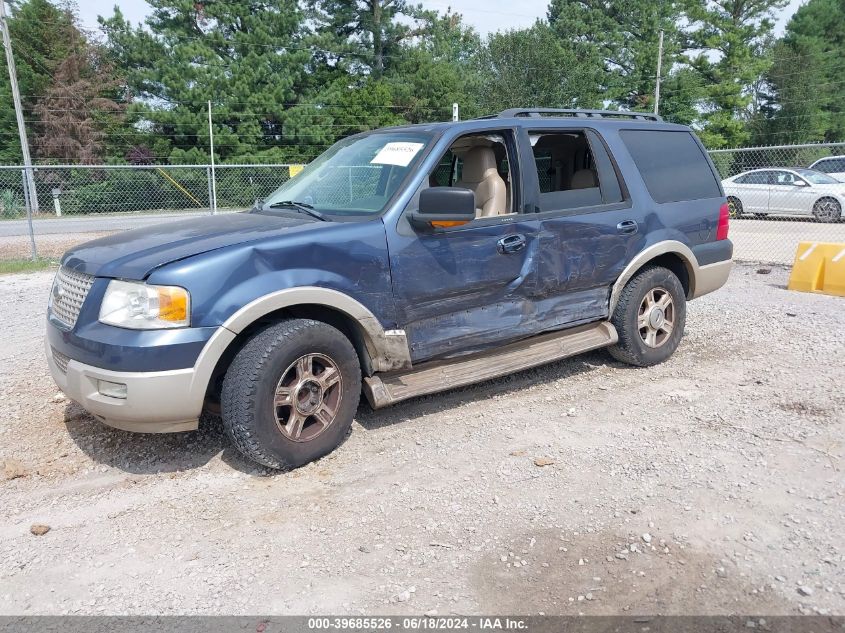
<point>649,317</point>
<point>291,392</point>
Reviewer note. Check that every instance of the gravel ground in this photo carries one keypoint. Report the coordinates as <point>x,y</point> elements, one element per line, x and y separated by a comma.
<point>711,484</point>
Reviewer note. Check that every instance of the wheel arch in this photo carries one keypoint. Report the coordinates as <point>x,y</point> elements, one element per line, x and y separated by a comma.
<point>378,349</point>
<point>671,254</point>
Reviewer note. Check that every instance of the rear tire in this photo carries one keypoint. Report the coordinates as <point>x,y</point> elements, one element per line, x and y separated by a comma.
<point>649,317</point>
<point>291,392</point>
<point>827,210</point>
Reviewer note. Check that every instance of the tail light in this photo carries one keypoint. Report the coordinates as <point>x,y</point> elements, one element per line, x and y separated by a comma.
<point>724,219</point>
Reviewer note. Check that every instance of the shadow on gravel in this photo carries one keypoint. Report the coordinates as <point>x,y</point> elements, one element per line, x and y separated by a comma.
<point>154,453</point>
<point>519,381</point>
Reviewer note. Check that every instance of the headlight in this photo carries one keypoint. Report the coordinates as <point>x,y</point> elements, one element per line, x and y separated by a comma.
<point>140,306</point>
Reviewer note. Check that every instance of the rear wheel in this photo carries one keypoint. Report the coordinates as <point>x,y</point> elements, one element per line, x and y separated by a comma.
<point>649,317</point>
<point>734,207</point>
<point>291,392</point>
<point>827,210</point>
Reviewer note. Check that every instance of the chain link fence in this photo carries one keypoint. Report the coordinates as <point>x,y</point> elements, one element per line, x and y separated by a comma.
<point>79,202</point>
<point>776,202</point>
<point>780,196</point>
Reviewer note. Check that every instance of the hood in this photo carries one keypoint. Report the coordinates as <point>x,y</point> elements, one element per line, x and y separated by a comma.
<point>134,254</point>
<point>831,188</point>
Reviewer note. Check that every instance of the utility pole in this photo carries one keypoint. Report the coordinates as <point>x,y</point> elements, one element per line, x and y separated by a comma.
<point>213,201</point>
<point>659,66</point>
<point>16,97</point>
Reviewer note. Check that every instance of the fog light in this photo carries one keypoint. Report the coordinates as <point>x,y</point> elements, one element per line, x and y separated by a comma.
<point>111,389</point>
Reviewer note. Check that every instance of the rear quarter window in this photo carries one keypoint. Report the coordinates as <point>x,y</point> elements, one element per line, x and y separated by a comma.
<point>672,164</point>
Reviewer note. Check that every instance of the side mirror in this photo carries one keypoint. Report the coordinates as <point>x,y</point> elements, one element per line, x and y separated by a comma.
<point>444,206</point>
<point>800,183</point>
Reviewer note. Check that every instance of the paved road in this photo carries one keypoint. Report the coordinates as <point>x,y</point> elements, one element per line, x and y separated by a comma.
<point>91,224</point>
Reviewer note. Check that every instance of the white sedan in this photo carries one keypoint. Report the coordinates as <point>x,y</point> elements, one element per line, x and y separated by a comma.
<point>781,191</point>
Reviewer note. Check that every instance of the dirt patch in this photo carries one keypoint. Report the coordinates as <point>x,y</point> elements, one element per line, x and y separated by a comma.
<point>601,573</point>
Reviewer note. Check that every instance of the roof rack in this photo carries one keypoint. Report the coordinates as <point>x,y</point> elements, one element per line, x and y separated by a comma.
<point>588,114</point>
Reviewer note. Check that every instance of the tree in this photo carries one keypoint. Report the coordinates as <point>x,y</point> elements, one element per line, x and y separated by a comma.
<point>735,37</point>
<point>803,96</point>
<point>533,67</point>
<point>366,33</point>
<point>247,56</point>
<point>77,109</point>
<point>42,34</point>
<point>621,39</point>
<point>436,69</point>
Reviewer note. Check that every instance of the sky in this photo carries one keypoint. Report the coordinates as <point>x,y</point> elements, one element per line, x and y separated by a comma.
<point>486,16</point>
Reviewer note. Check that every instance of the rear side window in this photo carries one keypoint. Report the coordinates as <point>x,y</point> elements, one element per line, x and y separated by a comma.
<point>672,165</point>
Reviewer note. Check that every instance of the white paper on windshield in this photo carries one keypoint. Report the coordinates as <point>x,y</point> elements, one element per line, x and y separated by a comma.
<point>399,153</point>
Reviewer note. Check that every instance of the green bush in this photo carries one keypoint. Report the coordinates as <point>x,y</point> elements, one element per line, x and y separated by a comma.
<point>10,205</point>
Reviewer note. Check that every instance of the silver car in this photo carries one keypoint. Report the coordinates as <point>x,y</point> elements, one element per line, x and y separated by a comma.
<point>782,191</point>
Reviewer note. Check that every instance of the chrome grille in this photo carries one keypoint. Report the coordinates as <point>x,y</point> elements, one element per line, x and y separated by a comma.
<point>60,359</point>
<point>69,291</point>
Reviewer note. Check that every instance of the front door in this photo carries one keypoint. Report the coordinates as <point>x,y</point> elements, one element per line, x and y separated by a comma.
<point>464,288</point>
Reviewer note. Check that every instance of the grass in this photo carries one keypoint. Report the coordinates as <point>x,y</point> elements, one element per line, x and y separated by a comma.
<point>12,266</point>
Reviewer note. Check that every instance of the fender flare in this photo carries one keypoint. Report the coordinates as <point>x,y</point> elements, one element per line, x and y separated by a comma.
<point>388,349</point>
<point>655,250</point>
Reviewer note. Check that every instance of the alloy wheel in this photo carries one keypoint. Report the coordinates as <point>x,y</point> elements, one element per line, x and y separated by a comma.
<point>656,317</point>
<point>307,397</point>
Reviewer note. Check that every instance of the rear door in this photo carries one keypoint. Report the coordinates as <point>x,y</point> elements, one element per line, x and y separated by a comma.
<point>753,190</point>
<point>588,229</point>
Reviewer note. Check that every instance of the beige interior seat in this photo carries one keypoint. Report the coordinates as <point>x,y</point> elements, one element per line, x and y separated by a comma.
<point>481,176</point>
<point>584,179</point>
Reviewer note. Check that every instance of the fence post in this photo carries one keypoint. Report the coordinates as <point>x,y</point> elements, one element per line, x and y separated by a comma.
<point>210,193</point>
<point>28,204</point>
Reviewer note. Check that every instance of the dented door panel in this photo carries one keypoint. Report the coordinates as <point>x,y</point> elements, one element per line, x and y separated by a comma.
<point>456,293</point>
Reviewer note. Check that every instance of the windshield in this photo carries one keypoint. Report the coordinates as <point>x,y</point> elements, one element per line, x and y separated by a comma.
<point>817,177</point>
<point>354,176</point>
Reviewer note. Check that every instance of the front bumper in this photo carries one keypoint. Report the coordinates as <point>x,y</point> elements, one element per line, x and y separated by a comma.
<point>156,402</point>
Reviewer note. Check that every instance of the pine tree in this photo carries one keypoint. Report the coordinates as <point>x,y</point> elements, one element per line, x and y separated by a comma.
<point>803,100</point>
<point>247,56</point>
<point>620,39</point>
<point>735,37</point>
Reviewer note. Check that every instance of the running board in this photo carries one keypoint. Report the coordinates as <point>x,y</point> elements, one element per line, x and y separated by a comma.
<point>388,388</point>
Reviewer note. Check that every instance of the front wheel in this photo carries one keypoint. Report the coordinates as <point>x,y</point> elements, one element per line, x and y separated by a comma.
<point>649,317</point>
<point>291,392</point>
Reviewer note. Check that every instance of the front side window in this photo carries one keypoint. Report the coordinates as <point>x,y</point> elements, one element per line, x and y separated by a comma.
<point>784,178</point>
<point>355,176</point>
<point>481,163</point>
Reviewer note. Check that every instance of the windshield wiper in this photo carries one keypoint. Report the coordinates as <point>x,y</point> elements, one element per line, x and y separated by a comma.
<point>302,207</point>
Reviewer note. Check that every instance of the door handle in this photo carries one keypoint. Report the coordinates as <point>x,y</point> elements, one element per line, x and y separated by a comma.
<point>627,227</point>
<point>511,244</point>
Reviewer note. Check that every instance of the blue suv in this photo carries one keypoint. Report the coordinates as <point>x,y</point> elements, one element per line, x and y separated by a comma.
<point>401,262</point>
